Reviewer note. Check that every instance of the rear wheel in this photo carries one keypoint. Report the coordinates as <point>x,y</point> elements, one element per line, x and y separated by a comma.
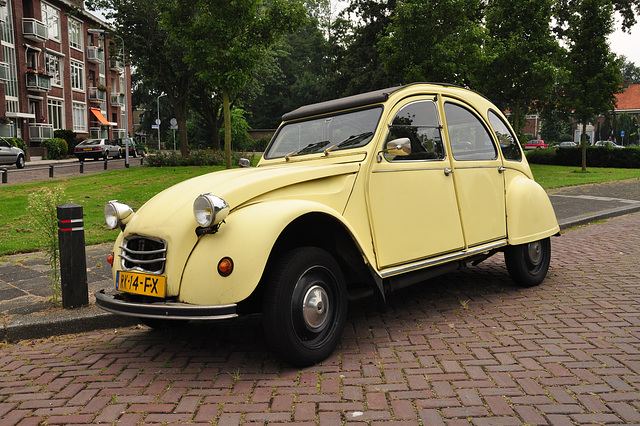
<point>528,263</point>
<point>20,162</point>
<point>305,306</point>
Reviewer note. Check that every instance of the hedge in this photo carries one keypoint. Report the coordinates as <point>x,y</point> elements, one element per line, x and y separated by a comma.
<point>206,157</point>
<point>597,156</point>
<point>56,148</point>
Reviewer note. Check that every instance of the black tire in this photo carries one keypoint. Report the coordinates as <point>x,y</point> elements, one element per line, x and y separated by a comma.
<point>305,277</point>
<point>528,263</point>
<point>20,162</point>
<point>118,155</point>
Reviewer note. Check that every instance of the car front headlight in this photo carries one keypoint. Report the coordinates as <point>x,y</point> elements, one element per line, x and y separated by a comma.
<point>210,210</point>
<point>117,214</point>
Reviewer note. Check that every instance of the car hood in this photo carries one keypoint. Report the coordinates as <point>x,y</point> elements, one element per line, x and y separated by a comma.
<point>173,207</point>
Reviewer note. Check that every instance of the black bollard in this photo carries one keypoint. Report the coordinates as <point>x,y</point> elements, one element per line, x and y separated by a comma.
<point>73,261</point>
<point>50,170</point>
<point>5,172</point>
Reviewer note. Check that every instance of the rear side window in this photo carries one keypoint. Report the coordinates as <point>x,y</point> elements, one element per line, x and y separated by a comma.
<point>508,143</point>
<point>470,139</point>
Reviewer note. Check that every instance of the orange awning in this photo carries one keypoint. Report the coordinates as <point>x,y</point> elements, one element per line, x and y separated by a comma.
<point>100,117</point>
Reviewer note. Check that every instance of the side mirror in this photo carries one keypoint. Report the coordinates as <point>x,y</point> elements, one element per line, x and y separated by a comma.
<point>400,146</point>
<point>244,162</point>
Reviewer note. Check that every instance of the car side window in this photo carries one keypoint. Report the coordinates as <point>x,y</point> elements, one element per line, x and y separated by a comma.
<point>418,122</point>
<point>470,139</point>
<point>4,144</point>
<point>508,143</point>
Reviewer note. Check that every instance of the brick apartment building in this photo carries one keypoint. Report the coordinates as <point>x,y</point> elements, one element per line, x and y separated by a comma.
<point>60,70</point>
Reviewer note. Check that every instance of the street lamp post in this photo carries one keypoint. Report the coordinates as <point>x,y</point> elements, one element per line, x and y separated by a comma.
<point>158,120</point>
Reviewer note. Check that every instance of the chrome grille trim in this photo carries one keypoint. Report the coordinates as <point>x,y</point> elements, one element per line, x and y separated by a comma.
<point>144,254</point>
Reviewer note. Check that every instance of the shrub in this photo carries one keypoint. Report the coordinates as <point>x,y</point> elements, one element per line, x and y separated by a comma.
<point>597,156</point>
<point>20,143</point>
<point>206,157</point>
<point>57,148</point>
<point>70,137</point>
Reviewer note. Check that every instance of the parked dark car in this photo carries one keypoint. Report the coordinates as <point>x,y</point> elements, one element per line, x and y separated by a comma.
<point>567,144</point>
<point>609,144</point>
<point>10,154</point>
<point>135,150</point>
<point>96,149</point>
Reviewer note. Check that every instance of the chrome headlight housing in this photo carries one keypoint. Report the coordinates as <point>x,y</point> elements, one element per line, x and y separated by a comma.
<point>209,210</point>
<point>117,214</point>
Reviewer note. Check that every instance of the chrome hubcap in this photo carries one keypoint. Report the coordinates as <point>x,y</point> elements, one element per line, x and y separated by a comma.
<point>535,252</point>
<point>315,308</point>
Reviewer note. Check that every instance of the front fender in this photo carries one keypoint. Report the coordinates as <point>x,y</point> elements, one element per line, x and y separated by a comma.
<point>530,215</point>
<point>247,236</point>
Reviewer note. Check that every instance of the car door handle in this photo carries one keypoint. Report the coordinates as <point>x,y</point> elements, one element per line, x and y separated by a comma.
<point>501,169</point>
<point>447,171</point>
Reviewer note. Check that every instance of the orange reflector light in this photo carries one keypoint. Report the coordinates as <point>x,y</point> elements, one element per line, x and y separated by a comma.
<point>110,259</point>
<point>225,266</point>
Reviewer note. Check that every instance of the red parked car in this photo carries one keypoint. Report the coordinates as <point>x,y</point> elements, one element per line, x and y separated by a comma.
<point>535,144</point>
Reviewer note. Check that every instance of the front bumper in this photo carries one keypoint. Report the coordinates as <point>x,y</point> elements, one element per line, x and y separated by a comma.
<point>111,302</point>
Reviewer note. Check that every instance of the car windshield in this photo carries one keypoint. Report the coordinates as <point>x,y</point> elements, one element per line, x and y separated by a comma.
<point>90,142</point>
<point>329,133</point>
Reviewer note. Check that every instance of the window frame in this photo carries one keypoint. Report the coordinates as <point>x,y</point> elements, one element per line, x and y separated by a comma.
<point>79,111</point>
<point>77,75</point>
<point>51,19</point>
<point>76,40</point>
<point>55,112</point>
<point>53,67</point>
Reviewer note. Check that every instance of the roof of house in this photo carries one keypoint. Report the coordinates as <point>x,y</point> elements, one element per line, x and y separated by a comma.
<point>629,99</point>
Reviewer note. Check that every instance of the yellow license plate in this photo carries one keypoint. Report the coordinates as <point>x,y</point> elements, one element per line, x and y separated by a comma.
<point>149,285</point>
<point>88,149</point>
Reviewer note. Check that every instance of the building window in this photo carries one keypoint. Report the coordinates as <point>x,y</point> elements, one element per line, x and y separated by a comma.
<point>51,18</point>
<point>79,117</point>
<point>75,34</point>
<point>55,110</point>
<point>53,68</point>
<point>77,75</point>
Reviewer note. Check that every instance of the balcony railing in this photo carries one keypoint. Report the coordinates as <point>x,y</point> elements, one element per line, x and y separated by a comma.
<point>39,82</point>
<point>4,71</point>
<point>97,95</point>
<point>98,132</point>
<point>117,99</point>
<point>95,54</point>
<point>116,65</point>
<point>40,132</point>
<point>119,133</point>
<point>34,30</point>
<point>7,130</point>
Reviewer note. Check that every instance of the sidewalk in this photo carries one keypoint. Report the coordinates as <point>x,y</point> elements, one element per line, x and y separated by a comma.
<point>25,293</point>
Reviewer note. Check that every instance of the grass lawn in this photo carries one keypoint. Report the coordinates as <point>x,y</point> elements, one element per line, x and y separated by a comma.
<point>136,185</point>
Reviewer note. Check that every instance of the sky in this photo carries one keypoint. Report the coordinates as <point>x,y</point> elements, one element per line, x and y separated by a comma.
<point>627,44</point>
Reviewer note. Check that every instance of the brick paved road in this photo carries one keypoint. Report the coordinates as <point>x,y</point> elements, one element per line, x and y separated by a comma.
<point>467,348</point>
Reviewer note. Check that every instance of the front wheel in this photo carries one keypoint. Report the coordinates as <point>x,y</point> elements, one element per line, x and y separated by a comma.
<point>528,263</point>
<point>305,306</point>
<point>20,162</point>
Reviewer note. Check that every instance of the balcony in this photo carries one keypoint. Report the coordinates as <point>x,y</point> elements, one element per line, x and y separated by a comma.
<point>4,71</point>
<point>95,54</point>
<point>40,132</point>
<point>97,94</point>
<point>116,65</point>
<point>119,133</point>
<point>117,99</point>
<point>38,81</point>
<point>34,30</point>
<point>98,132</point>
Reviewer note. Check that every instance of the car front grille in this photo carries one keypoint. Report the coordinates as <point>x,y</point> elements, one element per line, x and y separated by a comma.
<point>144,254</point>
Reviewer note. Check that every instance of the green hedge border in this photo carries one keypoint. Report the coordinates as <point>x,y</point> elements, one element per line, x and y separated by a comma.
<point>597,156</point>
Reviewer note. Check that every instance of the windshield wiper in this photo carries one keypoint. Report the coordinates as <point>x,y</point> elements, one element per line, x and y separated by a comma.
<point>312,147</point>
<point>351,140</point>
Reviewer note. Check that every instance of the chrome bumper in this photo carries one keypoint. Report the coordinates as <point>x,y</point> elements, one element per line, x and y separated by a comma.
<point>163,310</point>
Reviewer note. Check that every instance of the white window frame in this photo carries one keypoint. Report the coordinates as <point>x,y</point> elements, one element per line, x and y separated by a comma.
<point>53,67</point>
<point>76,40</point>
<point>77,75</point>
<point>51,18</point>
<point>79,117</point>
<point>55,112</point>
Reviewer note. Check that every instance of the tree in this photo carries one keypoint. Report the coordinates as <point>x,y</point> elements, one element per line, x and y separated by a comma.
<point>431,40</point>
<point>224,42</point>
<point>156,53</point>
<point>630,72</point>
<point>593,75</point>
<point>518,66</point>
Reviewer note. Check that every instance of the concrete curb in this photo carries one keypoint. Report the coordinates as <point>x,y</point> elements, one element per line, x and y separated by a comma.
<point>601,215</point>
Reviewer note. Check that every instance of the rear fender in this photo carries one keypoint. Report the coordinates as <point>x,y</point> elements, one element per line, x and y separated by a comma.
<point>530,215</point>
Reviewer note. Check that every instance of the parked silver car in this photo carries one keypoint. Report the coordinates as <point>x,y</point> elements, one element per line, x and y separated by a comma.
<point>10,154</point>
<point>97,148</point>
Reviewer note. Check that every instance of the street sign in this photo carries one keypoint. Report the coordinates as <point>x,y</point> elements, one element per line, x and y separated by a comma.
<point>155,126</point>
<point>158,121</point>
<point>622,133</point>
<point>174,124</point>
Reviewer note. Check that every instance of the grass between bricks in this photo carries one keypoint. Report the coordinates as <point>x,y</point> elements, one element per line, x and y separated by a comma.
<point>137,185</point>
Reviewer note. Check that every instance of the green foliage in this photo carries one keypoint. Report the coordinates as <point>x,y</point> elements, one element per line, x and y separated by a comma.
<point>70,137</point>
<point>597,156</point>
<point>239,130</point>
<point>19,142</point>
<point>56,148</point>
<point>205,157</point>
<point>44,219</point>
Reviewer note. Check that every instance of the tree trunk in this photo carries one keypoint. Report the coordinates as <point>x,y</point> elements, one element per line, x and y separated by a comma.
<point>227,127</point>
<point>583,144</point>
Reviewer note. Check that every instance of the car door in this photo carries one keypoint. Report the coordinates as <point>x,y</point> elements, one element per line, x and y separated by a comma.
<point>411,198</point>
<point>477,171</point>
<point>6,154</point>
